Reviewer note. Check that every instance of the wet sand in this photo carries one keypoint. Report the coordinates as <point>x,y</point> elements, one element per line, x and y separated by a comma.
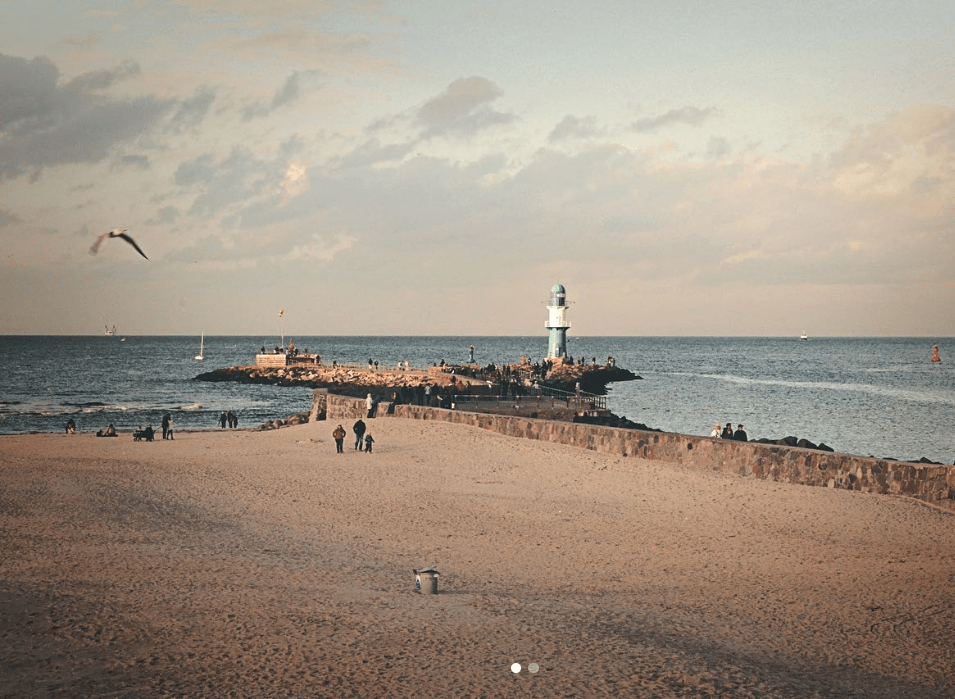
<point>241,563</point>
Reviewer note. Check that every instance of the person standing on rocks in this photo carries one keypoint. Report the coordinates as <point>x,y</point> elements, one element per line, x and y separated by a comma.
<point>727,431</point>
<point>739,435</point>
<point>359,430</point>
<point>339,436</point>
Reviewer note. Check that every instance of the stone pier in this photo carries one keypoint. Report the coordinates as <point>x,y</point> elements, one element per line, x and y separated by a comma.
<point>929,483</point>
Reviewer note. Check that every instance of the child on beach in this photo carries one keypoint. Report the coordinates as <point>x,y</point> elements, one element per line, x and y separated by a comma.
<point>368,442</point>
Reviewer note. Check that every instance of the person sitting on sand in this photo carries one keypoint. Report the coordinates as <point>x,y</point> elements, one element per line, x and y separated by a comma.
<point>70,426</point>
<point>108,432</point>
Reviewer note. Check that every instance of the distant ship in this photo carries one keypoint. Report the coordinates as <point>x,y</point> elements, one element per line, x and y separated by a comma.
<point>804,336</point>
<point>110,331</point>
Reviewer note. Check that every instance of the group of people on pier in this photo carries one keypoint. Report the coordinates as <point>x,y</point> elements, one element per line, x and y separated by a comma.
<point>727,432</point>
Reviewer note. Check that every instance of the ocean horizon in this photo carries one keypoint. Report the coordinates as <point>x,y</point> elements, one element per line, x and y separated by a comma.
<point>871,396</point>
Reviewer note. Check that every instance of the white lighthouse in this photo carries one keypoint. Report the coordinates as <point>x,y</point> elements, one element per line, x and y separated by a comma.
<point>557,322</point>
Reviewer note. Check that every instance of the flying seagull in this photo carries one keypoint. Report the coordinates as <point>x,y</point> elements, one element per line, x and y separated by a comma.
<point>116,233</point>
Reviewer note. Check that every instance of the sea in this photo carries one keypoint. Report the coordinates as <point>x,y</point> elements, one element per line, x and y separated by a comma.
<point>878,397</point>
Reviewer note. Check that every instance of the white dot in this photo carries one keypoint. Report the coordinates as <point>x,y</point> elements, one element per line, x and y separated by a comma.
<point>515,668</point>
<point>533,667</point>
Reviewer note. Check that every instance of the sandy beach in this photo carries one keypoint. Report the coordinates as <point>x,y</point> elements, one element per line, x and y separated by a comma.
<point>254,564</point>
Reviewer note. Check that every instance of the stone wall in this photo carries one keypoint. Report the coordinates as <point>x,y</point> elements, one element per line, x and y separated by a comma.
<point>927,482</point>
<point>271,360</point>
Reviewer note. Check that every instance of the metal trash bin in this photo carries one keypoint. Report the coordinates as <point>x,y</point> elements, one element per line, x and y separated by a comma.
<point>426,581</point>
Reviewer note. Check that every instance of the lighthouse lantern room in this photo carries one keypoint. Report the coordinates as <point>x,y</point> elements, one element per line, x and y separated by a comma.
<point>557,322</point>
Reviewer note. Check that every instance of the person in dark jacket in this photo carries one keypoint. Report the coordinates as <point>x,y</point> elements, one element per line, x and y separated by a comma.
<point>739,435</point>
<point>359,430</point>
<point>727,431</point>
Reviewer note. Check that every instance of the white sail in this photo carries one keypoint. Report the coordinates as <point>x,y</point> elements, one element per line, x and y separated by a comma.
<point>202,340</point>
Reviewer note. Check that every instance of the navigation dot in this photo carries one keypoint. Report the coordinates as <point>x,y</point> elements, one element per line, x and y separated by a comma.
<point>515,668</point>
<point>533,667</point>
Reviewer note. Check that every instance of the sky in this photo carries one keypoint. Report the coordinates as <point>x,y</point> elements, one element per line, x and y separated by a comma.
<point>434,168</point>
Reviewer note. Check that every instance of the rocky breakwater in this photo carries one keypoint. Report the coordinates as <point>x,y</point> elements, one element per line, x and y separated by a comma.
<point>357,381</point>
<point>593,378</point>
<point>345,380</point>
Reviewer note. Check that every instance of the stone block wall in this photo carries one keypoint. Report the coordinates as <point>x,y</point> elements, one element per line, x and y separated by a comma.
<point>927,482</point>
<point>270,360</point>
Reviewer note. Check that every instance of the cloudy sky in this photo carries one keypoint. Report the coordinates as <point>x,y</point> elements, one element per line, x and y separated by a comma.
<point>683,168</point>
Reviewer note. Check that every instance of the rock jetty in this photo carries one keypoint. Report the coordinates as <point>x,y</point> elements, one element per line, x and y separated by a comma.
<point>353,380</point>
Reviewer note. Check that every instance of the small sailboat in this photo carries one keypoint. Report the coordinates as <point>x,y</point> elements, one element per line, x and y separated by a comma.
<point>202,340</point>
<point>804,336</point>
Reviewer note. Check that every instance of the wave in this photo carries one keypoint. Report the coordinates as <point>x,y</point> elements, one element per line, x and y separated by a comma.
<point>192,406</point>
<point>900,394</point>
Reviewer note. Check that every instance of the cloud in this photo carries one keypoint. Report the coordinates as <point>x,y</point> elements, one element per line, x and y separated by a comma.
<point>287,94</point>
<point>137,161</point>
<point>28,88</point>
<point>372,152</point>
<point>8,218</point>
<point>462,109</point>
<point>571,127</point>
<point>294,183</point>
<point>691,116</point>
<point>44,124</point>
<point>317,249</point>
<point>99,80</point>
<point>190,113</point>
<point>167,215</point>
<point>717,148</point>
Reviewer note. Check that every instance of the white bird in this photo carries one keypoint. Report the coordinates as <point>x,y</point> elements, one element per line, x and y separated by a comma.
<point>115,233</point>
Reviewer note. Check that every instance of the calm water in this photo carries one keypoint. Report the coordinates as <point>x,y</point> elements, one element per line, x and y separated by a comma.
<point>878,396</point>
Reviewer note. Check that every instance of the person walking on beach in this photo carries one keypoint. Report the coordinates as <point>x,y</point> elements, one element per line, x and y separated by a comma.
<point>339,436</point>
<point>359,430</point>
<point>70,426</point>
<point>169,429</point>
<point>369,405</point>
<point>165,426</point>
<point>223,418</point>
<point>368,442</point>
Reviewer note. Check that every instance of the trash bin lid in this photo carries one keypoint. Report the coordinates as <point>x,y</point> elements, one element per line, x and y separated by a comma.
<point>419,571</point>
